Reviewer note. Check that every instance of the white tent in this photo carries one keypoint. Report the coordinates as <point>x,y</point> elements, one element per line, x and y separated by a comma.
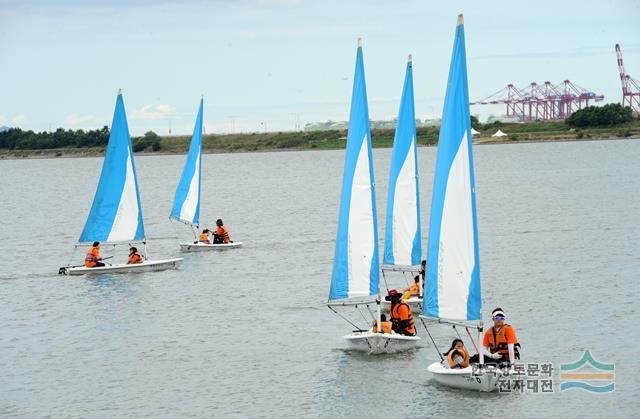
<point>474,132</point>
<point>499,133</point>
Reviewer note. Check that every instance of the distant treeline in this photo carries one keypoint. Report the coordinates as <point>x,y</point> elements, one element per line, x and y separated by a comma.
<point>17,139</point>
<point>591,122</point>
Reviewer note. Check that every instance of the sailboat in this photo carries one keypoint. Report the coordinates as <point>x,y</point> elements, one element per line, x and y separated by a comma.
<point>186,202</point>
<point>116,214</point>
<point>356,266</point>
<point>452,291</point>
<point>402,244</point>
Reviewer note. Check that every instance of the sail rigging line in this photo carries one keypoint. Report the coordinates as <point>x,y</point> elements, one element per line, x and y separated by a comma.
<point>172,218</point>
<point>146,251</point>
<point>345,319</point>
<point>371,312</point>
<point>194,227</point>
<point>407,280</point>
<point>384,278</point>
<point>454,328</point>
<point>434,342</point>
<point>472,340</point>
<point>112,244</point>
<point>175,226</point>
<point>360,311</point>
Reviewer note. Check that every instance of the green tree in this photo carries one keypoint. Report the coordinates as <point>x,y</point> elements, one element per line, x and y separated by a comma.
<point>149,140</point>
<point>475,122</point>
<point>594,116</point>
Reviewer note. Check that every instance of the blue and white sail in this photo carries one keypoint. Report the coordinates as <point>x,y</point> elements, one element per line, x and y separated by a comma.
<point>402,244</point>
<point>356,264</point>
<point>453,264</point>
<point>186,203</point>
<point>116,213</point>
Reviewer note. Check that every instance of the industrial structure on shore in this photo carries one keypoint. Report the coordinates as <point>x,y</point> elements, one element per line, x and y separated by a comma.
<point>556,102</point>
<point>535,102</point>
<point>546,102</point>
<point>630,86</point>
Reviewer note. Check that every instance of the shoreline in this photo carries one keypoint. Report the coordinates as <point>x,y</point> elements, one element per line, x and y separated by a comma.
<point>99,152</point>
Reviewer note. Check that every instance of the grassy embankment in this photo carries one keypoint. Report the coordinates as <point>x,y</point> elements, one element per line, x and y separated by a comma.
<point>324,140</point>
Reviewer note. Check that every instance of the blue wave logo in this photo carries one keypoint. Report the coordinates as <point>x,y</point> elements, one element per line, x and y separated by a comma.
<point>588,374</point>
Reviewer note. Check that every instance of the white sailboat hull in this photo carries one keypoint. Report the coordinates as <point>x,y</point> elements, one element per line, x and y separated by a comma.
<point>414,302</point>
<point>200,247</point>
<point>146,266</point>
<point>381,343</point>
<point>463,378</point>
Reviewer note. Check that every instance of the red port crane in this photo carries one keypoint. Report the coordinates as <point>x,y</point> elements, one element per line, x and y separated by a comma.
<point>630,86</point>
<point>545,102</point>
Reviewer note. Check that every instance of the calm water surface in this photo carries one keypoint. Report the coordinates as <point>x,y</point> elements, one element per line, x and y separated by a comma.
<point>246,333</point>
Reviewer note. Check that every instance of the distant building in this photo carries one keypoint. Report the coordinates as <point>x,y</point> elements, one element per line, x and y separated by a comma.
<point>341,125</point>
<point>504,118</point>
<point>326,126</point>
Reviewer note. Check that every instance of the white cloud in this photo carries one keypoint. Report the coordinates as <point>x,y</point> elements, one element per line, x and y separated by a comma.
<point>153,113</point>
<point>12,121</point>
<point>75,119</point>
<point>18,119</point>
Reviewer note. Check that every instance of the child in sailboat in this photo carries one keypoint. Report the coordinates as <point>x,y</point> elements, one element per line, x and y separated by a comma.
<point>134,256</point>
<point>221,235</point>
<point>204,236</point>
<point>413,291</point>
<point>457,355</point>
<point>385,326</point>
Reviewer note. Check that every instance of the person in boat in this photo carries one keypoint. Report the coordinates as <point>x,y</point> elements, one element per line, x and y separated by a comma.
<point>385,326</point>
<point>221,235</point>
<point>500,341</point>
<point>134,256</point>
<point>413,291</point>
<point>457,355</point>
<point>204,236</point>
<point>93,258</point>
<point>423,272</point>
<point>400,313</point>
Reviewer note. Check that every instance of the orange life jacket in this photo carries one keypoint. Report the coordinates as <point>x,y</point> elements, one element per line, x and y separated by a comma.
<point>224,233</point>
<point>385,327</point>
<point>402,319</point>
<point>204,238</point>
<point>134,258</point>
<point>453,364</point>
<point>92,257</point>
<point>499,341</point>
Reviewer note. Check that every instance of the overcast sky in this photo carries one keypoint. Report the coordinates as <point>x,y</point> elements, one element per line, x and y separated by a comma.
<point>281,63</point>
